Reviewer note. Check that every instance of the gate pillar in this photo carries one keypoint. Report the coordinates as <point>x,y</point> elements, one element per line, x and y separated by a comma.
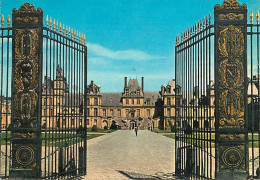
<point>231,90</point>
<point>26,92</point>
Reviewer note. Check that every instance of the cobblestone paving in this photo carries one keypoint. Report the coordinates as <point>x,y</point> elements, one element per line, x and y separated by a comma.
<point>122,155</point>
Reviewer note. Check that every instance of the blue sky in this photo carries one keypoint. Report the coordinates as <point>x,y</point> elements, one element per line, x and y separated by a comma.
<point>132,38</point>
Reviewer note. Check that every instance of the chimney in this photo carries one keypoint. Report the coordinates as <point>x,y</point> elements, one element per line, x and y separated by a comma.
<point>143,84</point>
<point>162,90</point>
<point>92,85</point>
<point>125,82</point>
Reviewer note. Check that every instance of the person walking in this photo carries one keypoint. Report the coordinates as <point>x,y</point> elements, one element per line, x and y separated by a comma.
<point>136,129</point>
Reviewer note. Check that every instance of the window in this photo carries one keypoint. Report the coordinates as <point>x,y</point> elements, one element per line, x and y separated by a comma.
<point>95,112</point>
<point>72,122</point>
<point>178,113</point>
<point>127,92</point>
<point>51,112</point>
<point>126,112</point>
<point>95,122</point>
<point>50,101</point>
<point>88,101</point>
<point>168,112</point>
<point>168,90</point>
<point>111,112</point>
<point>95,101</point>
<point>138,112</point>
<point>148,102</point>
<point>178,102</point>
<point>148,112</point>
<point>138,101</point>
<point>133,101</point>
<point>104,112</point>
<point>87,111</point>
<point>127,101</point>
<point>44,101</point>
<point>45,112</point>
<point>119,112</point>
<point>96,90</point>
<point>168,101</point>
<point>87,121</point>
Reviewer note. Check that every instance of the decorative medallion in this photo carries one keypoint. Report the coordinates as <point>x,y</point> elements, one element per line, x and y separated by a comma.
<point>24,155</point>
<point>232,157</point>
<point>27,19</point>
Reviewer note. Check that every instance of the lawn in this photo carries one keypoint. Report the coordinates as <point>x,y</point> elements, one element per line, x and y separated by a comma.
<point>162,131</point>
<point>210,142</point>
<point>55,139</point>
<point>102,130</point>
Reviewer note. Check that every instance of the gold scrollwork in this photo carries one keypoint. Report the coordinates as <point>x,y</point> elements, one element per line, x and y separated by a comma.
<point>27,8</point>
<point>230,4</point>
<point>20,45</point>
<point>231,74</point>
<point>231,16</point>
<point>232,137</point>
<point>231,42</point>
<point>27,19</point>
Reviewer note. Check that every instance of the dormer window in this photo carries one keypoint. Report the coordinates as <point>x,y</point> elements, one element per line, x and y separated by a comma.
<point>127,92</point>
<point>138,92</point>
<point>168,90</point>
<point>96,90</point>
<point>148,102</point>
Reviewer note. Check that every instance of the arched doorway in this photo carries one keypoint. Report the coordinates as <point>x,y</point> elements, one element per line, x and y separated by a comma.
<point>105,124</point>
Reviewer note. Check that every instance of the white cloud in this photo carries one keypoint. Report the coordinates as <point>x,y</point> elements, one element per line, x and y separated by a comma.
<point>129,54</point>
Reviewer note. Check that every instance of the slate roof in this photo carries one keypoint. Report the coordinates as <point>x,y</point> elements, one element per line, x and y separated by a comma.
<point>133,85</point>
<point>153,96</point>
<point>111,99</point>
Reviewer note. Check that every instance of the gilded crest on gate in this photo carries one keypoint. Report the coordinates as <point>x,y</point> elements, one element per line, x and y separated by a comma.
<point>231,42</point>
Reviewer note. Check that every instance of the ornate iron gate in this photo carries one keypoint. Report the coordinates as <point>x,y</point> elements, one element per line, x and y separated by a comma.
<point>43,121</point>
<point>217,96</point>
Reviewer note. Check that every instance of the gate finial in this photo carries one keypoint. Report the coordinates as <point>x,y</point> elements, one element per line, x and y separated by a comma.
<point>8,21</point>
<point>251,17</point>
<point>47,21</point>
<point>3,21</point>
<point>257,17</point>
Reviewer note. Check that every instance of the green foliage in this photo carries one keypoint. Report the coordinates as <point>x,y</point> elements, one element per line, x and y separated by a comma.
<point>173,128</point>
<point>94,128</point>
<point>105,127</point>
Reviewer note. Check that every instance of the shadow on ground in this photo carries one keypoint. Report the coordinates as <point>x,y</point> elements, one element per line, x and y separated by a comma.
<point>157,176</point>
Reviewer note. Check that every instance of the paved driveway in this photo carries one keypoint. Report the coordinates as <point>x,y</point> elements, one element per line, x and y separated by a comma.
<point>122,155</point>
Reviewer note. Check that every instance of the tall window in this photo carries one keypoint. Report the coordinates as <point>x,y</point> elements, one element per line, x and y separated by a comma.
<point>104,112</point>
<point>87,111</point>
<point>168,101</point>
<point>87,121</point>
<point>111,112</point>
<point>95,112</point>
<point>138,101</point>
<point>148,112</point>
<point>95,101</point>
<point>72,122</point>
<point>126,112</point>
<point>138,112</point>
<point>133,101</point>
<point>88,101</point>
<point>44,101</point>
<point>50,101</point>
<point>118,112</point>
<point>127,101</point>
<point>51,112</point>
<point>45,112</point>
<point>168,112</point>
<point>95,122</point>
